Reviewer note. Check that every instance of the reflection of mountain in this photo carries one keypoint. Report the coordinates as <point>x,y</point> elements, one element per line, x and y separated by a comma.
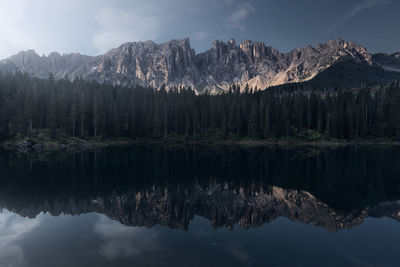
<point>223,204</point>
<point>334,188</point>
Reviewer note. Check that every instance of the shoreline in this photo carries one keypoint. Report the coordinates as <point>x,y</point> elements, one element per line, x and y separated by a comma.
<point>31,145</point>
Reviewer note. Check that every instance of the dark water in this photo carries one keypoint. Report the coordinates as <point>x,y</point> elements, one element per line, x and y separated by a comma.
<point>201,206</point>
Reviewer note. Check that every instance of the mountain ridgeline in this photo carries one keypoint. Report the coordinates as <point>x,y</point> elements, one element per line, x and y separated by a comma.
<point>175,64</point>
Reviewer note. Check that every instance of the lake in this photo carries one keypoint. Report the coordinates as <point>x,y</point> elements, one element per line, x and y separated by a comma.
<point>201,206</point>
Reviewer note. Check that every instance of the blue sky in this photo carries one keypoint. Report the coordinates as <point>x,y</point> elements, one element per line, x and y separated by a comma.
<point>95,26</point>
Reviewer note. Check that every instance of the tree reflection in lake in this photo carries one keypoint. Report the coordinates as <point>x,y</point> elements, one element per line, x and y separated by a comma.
<point>116,192</point>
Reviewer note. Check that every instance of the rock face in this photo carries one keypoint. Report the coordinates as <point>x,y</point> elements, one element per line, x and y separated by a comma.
<point>387,62</point>
<point>72,65</point>
<point>176,64</point>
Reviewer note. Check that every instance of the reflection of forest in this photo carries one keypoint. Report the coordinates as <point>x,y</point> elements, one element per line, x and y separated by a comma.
<point>148,185</point>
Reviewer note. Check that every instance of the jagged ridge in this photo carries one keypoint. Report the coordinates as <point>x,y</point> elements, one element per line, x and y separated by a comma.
<point>175,63</point>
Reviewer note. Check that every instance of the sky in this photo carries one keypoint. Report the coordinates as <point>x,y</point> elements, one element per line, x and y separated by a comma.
<point>93,27</point>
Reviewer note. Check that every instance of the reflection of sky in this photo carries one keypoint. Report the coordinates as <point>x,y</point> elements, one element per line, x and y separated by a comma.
<point>14,228</point>
<point>95,240</point>
<point>123,241</point>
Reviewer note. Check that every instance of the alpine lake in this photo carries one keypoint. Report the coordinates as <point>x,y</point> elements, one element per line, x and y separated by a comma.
<point>199,205</point>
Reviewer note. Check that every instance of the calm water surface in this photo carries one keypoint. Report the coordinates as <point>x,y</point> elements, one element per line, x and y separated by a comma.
<point>201,206</point>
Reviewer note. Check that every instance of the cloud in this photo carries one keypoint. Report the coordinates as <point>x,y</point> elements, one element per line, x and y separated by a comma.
<point>13,228</point>
<point>48,25</point>
<point>13,37</point>
<point>237,18</point>
<point>123,241</point>
<point>363,5</point>
<point>118,26</point>
<point>43,25</point>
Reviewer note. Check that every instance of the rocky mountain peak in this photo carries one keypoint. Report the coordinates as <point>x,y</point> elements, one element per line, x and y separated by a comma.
<point>347,49</point>
<point>185,42</point>
<point>232,44</point>
<point>175,63</point>
<point>217,44</point>
<point>387,62</point>
<point>246,46</point>
<point>24,56</point>
<point>336,42</point>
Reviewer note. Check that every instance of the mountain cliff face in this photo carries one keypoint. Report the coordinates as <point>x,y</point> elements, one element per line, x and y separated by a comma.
<point>176,64</point>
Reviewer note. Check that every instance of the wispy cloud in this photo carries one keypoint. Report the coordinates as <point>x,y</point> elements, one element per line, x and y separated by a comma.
<point>237,18</point>
<point>13,36</point>
<point>363,5</point>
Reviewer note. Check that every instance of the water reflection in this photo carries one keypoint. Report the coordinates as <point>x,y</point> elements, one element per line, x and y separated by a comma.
<point>335,188</point>
<point>13,229</point>
<point>263,205</point>
<point>222,204</point>
<point>121,241</point>
<point>95,240</point>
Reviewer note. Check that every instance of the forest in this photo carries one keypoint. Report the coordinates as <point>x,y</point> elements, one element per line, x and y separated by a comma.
<point>87,109</point>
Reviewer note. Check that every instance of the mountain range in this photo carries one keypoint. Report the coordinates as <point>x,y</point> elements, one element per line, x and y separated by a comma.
<point>176,64</point>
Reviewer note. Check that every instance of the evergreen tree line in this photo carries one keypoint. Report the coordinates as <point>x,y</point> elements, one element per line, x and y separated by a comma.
<point>88,109</point>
